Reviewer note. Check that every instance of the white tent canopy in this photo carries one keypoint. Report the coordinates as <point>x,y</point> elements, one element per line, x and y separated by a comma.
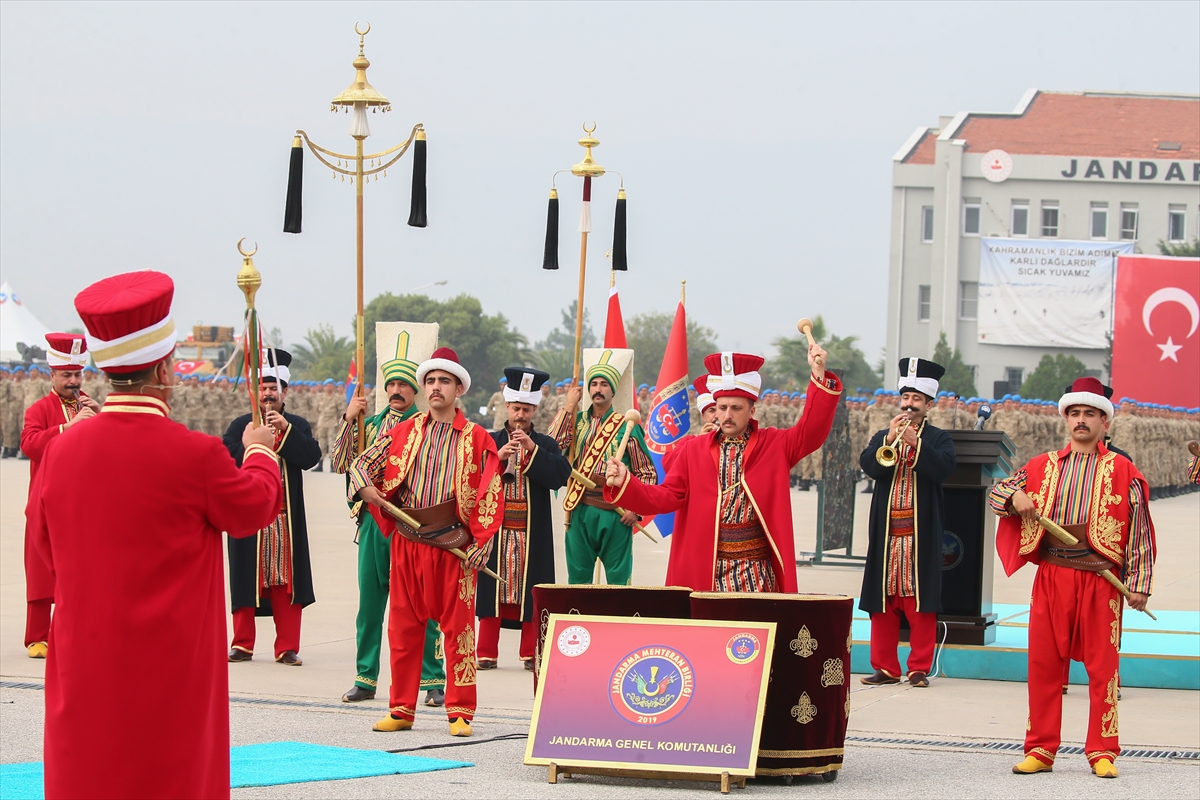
<point>17,324</point>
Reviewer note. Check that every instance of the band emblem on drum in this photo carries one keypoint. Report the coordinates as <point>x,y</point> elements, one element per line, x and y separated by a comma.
<point>651,685</point>
<point>743,648</point>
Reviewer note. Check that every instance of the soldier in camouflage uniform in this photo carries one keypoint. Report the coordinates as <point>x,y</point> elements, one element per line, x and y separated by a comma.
<point>330,408</point>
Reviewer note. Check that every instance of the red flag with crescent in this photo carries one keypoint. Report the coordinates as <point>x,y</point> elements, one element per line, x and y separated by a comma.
<point>614,326</point>
<point>1156,330</point>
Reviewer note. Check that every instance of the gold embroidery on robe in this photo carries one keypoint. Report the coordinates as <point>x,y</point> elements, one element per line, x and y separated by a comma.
<point>1108,722</point>
<point>1032,532</point>
<point>464,670</point>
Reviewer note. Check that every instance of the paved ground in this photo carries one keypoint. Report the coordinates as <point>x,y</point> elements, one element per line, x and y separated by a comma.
<point>271,702</point>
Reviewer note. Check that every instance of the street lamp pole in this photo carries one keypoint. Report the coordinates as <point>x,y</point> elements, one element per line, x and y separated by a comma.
<point>360,167</point>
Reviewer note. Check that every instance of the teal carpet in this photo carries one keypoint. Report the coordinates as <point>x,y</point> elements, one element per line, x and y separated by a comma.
<point>267,764</point>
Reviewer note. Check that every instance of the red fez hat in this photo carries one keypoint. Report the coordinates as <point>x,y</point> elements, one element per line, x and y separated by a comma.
<point>733,375</point>
<point>128,320</point>
<point>446,360</point>
<point>67,351</point>
<point>704,397</point>
<point>1086,391</point>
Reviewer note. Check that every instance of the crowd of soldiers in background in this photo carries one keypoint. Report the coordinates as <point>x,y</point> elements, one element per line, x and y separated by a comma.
<point>1152,435</point>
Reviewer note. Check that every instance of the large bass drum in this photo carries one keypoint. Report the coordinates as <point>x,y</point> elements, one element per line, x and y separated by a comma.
<point>808,698</point>
<point>670,602</point>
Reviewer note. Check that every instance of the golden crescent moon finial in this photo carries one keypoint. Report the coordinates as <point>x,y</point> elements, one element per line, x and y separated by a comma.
<point>243,252</point>
<point>591,130</point>
<point>362,33</point>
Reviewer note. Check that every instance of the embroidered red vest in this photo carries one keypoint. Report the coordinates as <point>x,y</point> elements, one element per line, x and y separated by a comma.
<point>1108,505</point>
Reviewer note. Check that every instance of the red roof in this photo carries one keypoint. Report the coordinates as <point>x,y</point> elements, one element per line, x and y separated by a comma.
<point>1116,126</point>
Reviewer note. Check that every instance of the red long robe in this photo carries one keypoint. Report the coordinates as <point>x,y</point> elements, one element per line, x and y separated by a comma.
<point>692,488</point>
<point>43,422</point>
<point>143,573</point>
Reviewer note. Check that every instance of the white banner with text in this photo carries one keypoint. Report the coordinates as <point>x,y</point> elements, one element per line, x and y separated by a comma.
<point>1042,293</point>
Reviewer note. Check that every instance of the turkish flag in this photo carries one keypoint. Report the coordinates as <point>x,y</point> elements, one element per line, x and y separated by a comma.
<point>1156,344</point>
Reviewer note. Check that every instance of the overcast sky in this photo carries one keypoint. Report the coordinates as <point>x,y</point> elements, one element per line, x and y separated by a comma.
<point>755,141</point>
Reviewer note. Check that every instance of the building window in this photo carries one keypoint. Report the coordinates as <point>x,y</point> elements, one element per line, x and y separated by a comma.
<point>1020,218</point>
<point>1013,376</point>
<point>1129,221</point>
<point>968,300</point>
<point>1099,227</point>
<point>971,218</point>
<point>1177,223</point>
<point>926,223</point>
<point>924,302</point>
<point>1050,220</point>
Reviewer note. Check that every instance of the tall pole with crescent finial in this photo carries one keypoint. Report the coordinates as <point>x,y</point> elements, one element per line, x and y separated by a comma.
<point>360,168</point>
<point>586,169</point>
<point>248,280</point>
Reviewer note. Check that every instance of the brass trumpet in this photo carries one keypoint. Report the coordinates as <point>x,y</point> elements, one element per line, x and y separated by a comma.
<point>887,455</point>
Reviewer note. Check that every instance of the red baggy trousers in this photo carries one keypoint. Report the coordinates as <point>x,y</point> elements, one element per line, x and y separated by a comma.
<point>1073,615</point>
<point>37,621</point>
<point>287,618</point>
<point>489,634</point>
<point>428,583</point>
<point>885,637</point>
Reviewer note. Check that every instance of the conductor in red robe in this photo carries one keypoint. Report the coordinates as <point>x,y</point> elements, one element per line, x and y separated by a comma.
<point>148,569</point>
<point>64,407</point>
<point>730,486</point>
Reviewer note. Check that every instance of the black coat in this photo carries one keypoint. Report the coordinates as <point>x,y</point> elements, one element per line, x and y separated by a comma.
<point>299,452</point>
<point>549,470</point>
<point>935,463</point>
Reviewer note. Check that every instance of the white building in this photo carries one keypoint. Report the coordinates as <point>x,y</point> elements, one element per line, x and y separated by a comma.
<point>1088,167</point>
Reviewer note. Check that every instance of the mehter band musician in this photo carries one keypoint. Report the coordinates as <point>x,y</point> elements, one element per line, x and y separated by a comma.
<point>730,487</point>
<point>444,472</point>
<point>1102,500</point>
<point>524,555</point>
<point>590,437</point>
<point>62,409</point>
<point>909,460</point>
<point>148,570</point>
<point>374,558</point>
<point>270,575</point>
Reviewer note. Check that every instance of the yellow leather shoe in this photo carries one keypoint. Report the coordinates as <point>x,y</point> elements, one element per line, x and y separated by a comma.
<point>1104,768</point>
<point>460,727</point>
<point>37,650</point>
<point>390,723</point>
<point>1032,765</point>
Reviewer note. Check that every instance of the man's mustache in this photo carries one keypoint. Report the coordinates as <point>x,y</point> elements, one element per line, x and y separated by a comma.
<point>1082,427</point>
<point>598,396</point>
<point>908,408</point>
<point>395,397</point>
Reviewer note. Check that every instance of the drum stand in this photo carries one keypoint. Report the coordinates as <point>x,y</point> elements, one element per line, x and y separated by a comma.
<point>725,779</point>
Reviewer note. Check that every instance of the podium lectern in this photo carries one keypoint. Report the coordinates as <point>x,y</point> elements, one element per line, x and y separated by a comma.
<point>969,536</point>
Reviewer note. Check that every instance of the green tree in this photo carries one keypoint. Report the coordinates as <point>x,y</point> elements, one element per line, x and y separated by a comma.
<point>556,353</point>
<point>647,335</point>
<point>324,355</point>
<point>485,344</point>
<point>1180,249</point>
<point>958,377</point>
<point>1052,375</point>
<point>789,368</point>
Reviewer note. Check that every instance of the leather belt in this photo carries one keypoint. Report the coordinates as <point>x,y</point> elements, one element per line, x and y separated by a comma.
<point>1079,557</point>
<point>440,526</point>
<point>595,499</point>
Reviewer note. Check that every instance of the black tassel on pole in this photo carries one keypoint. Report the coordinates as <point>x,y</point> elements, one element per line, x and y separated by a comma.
<point>550,259</point>
<point>293,211</point>
<point>416,215</point>
<point>619,259</point>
